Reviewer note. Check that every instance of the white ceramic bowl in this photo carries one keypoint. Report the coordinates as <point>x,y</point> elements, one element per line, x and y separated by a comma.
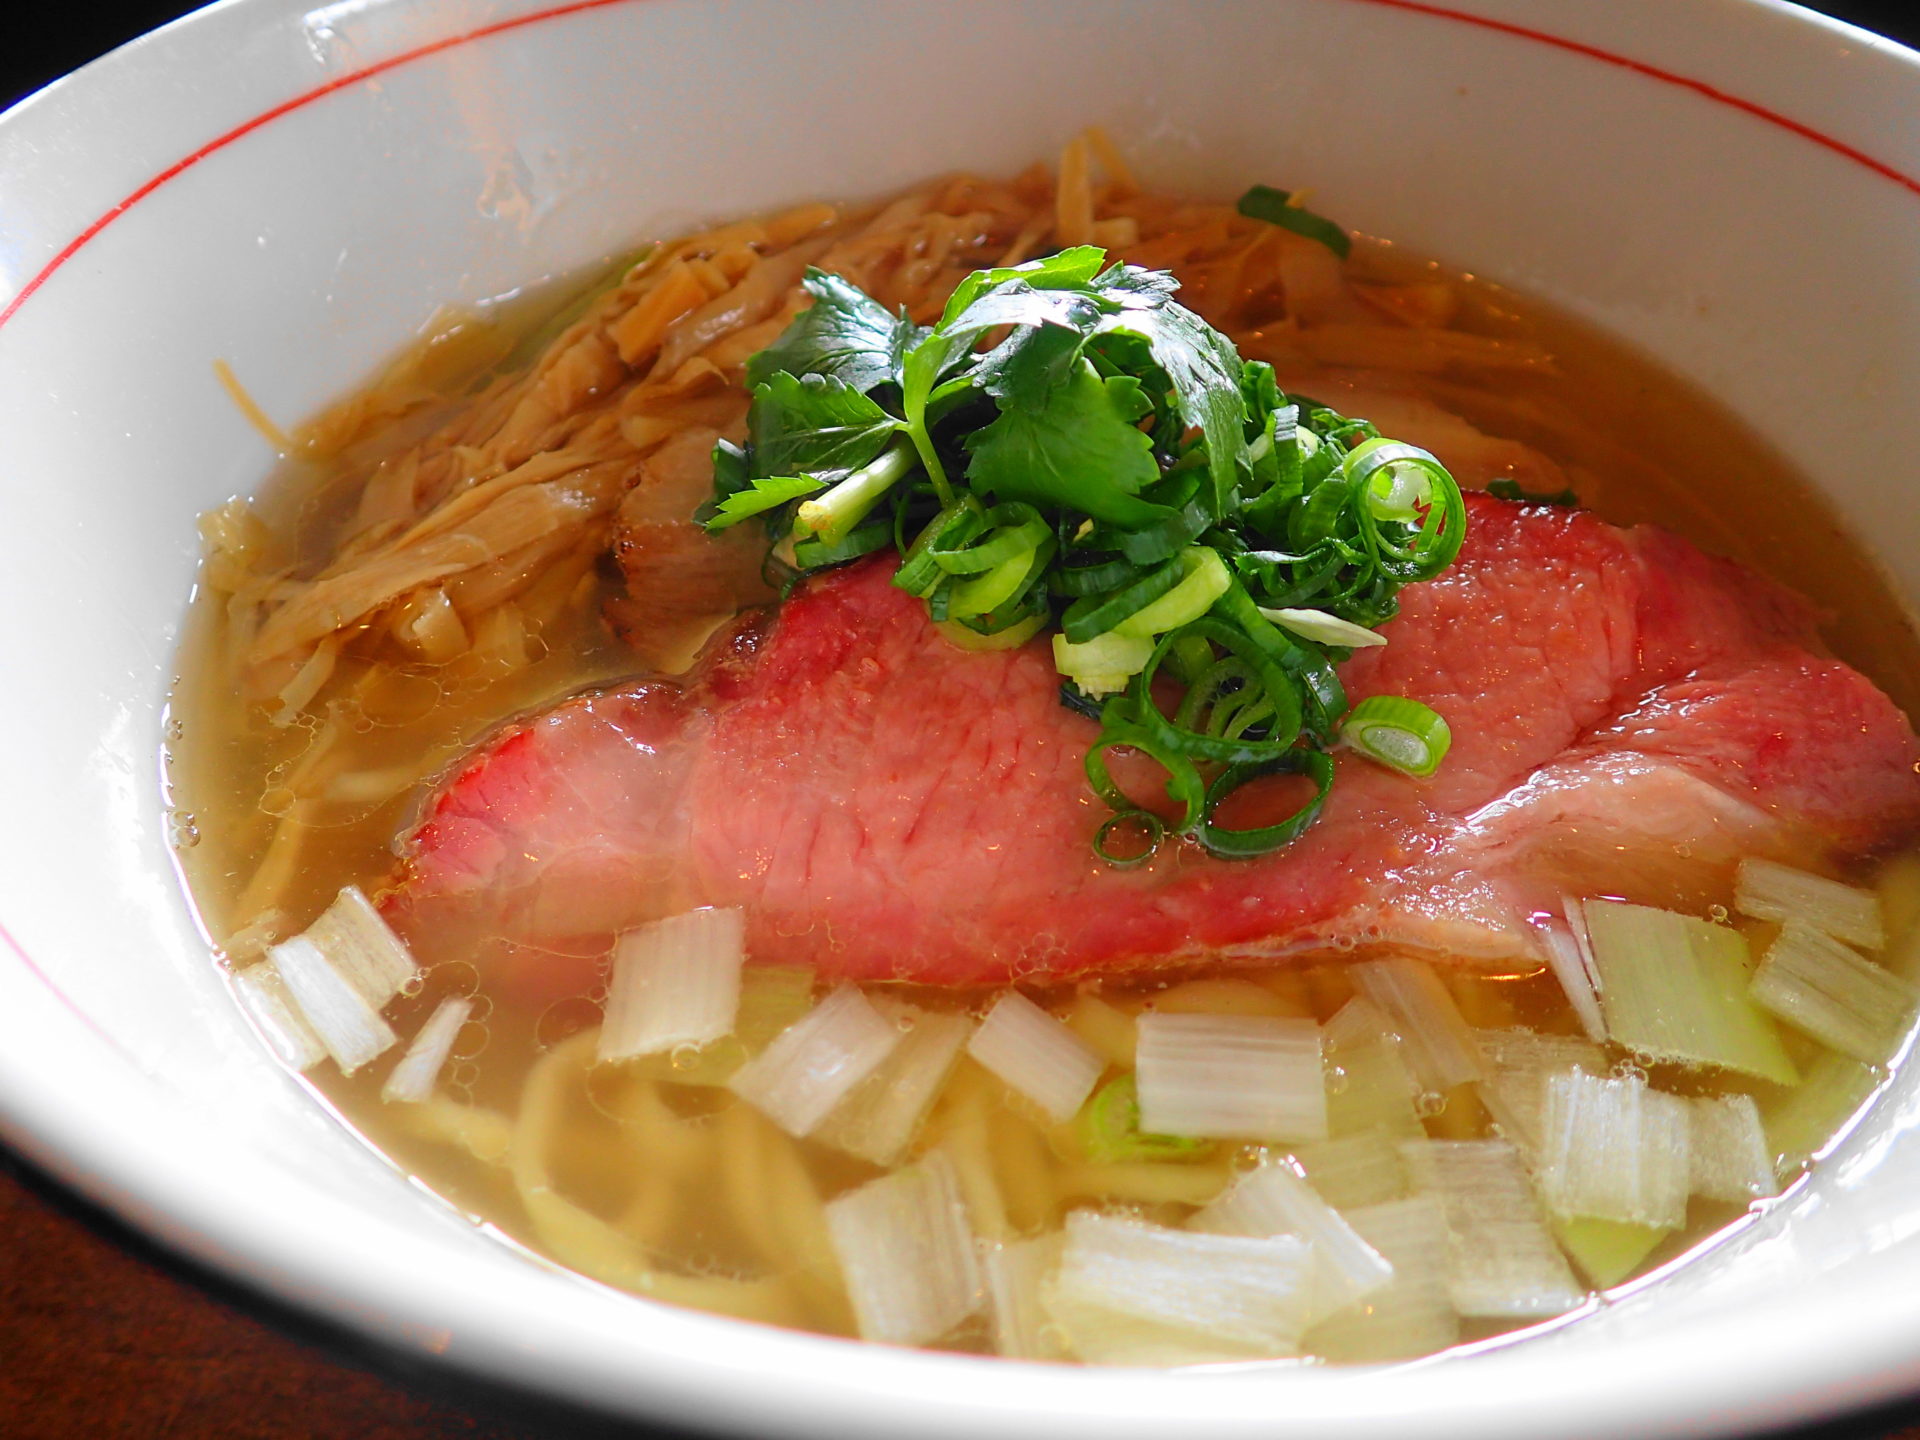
<point>1728,183</point>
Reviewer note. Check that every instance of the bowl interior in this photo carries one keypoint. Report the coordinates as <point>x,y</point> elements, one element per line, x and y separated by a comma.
<point>1725,185</point>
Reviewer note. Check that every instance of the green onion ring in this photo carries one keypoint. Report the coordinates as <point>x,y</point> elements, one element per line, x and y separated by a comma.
<point>1155,827</point>
<point>1244,844</point>
<point>1272,682</point>
<point>1184,786</point>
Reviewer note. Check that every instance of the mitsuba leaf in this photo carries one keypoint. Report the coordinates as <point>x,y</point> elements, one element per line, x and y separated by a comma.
<point>1077,449</point>
<point>1205,372</point>
<point>1022,369</point>
<point>845,335</point>
<point>814,425</point>
<point>1070,269</point>
<point>759,497</point>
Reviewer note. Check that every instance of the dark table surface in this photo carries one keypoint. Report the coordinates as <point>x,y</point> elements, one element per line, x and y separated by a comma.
<point>103,1334</point>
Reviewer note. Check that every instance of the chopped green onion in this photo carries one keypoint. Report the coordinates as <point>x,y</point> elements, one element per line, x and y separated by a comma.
<point>1205,581</point>
<point>1104,664</point>
<point>1108,1130</point>
<point>1324,628</point>
<point>1399,733</point>
<point>834,515</point>
<point>1276,207</point>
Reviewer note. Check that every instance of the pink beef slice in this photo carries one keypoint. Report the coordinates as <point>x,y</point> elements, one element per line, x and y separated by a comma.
<point>1629,716</point>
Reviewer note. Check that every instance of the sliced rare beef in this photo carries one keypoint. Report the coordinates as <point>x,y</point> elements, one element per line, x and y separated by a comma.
<point>1629,717</point>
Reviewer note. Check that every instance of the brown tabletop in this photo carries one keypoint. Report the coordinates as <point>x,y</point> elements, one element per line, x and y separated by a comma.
<point>103,1337</point>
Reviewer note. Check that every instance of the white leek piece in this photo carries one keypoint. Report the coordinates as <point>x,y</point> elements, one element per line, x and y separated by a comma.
<point>1016,1272</point>
<point>1369,1086</point>
<point>1324,626</point>
<point>881,1115</point>
<point>1504,1263</point>
<point>1820,987</point>
<point>1438,1045</point>
<point>1808,1118</point>
<point>413,1079</point>
<point>907,1252</point>
<point>1036,1055</point>
<point>1231,1077</point>
<point>362,947</point>
<point>1518,1064</point>
<point>1130,1293</point>
<point>271,1006</point>
<point>1569,965</point>
<point>1272,1200</point>
<point>1728,1158</point>
<point>675,983</point>
<point>1355,1170</point>
<point>1675,988</point>
<point>1413,1314</point>
<point>1614,1149</point>
<point>813,1063</point>
<point>1768,891</point>
<point>338,1011</point>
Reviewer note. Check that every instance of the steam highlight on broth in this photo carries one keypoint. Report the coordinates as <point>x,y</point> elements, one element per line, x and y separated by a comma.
<point>1355,1144</point>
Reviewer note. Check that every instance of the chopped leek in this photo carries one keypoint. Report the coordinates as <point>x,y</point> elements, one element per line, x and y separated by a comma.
<point>362,947</point>
<point>413,1079</point>
<point>1104,664</point>
<point>1323,627</point>
<point>1675,988</point>
<point>1369,1087</point>
<point>907,1250</point>
<point>1108,1129</point>
<point>1518,1064</point>
<point>1413,1315</point>
<point>1036,1055</point>
<point>1567,959</point>
<point>1130,1293</point>
<point>1820,987</point>
<point>1355,1170</point>
<point>1805,1122</point>
<point>273,1010</point>
<point>1401,734</point>
<point>1272,1200</point>
<point>1728,1155</point>
<point>675,983</point>
<point>1503,1263</point>
<point>1438,1045</point>
<point>880,1116</point>
<point>1769,891</point>
<point>1231,1077</point>
<point>811,1065</point>
<point>1016,1271</point>
<point>332,1004</point>
<point>1614,1149</point>
<point>772,997</point>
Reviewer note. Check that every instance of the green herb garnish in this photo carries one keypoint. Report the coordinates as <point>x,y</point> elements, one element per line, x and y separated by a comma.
<point>1110,469</point>
<point>1276,207</point>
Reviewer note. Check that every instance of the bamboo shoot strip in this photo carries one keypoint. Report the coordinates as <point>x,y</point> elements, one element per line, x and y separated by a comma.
<point>675,983</point>
<point>1231,1077</point>
<point>811,1065</point>
<point>907,1250</point>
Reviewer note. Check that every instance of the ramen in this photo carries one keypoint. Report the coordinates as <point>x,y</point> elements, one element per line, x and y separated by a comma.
<point>725,916</point>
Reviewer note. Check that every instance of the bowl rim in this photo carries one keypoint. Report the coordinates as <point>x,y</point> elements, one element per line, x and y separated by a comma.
<point>142,1171</point>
